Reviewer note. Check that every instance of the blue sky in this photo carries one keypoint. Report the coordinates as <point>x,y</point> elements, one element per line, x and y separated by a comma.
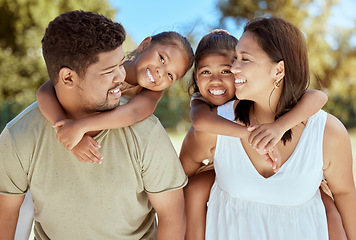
<point>142,18</point>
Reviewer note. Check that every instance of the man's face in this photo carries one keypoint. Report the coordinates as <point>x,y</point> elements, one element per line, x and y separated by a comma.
<point>99,89</point>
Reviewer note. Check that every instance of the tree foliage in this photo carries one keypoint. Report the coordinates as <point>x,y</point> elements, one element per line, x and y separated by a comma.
<point>23,23</point>
<point>332,54</point>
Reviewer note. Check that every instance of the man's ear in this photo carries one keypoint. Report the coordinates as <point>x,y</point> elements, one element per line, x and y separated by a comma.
<point>144,44</point>
<point>66,76</point>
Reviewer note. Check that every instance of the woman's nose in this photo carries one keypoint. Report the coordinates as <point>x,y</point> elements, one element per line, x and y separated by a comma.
<point>235,68</point>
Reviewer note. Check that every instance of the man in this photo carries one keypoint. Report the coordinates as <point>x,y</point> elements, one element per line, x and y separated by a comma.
<point>140,175</point>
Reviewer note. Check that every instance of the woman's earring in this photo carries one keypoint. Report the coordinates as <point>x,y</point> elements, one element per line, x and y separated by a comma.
<point>276,84</point>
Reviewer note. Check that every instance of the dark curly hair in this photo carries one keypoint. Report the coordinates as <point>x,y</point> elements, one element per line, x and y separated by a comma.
<point>213,43</point>
<point>74,40</point>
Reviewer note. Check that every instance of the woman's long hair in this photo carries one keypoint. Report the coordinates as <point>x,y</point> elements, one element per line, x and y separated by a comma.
<point>280,40</point>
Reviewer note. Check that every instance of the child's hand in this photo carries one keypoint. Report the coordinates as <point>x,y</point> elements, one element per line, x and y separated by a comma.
<point>87,150</point>
<point>265,136</point>
<point>68,133</point>
<point>221,31</point>
<point>272,157</point>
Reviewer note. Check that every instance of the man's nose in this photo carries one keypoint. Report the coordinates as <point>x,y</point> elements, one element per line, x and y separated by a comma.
<point>121,75</point>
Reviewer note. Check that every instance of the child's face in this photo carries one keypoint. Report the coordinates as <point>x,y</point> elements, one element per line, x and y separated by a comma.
<point>214,79</point>
<point>158,66</point>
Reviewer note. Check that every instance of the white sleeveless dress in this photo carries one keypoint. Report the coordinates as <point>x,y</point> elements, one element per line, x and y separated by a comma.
<point>286,206</point>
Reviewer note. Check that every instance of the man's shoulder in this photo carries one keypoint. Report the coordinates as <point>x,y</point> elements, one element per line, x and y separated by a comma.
<point>26,119</point>
<point>147,125</point>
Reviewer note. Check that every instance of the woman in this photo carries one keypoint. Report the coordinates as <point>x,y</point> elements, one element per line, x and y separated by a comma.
<point>249,200</point>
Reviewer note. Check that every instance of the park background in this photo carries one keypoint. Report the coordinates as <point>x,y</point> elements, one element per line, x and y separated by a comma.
<point>329,27</point>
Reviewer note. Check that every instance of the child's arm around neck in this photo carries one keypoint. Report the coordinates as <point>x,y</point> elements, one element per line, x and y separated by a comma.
<point>141,106</point>
<point>266,136</point>
<point>205,119</point>
<point>48,103</point>
<point>138,108</point>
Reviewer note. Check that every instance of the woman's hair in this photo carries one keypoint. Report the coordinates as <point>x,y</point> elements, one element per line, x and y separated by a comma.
<point>213,43</point>
<point>74,40</point>
<point>169,38</point>
<point>281,40</point>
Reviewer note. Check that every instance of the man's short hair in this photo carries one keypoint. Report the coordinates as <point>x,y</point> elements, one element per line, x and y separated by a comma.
<point>74,40</point>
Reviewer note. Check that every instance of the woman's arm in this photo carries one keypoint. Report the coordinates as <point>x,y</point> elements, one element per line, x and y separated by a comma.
<point>48,103</point>
<point>338,172</point>
<point>204,119</point>
<point>267,136</point>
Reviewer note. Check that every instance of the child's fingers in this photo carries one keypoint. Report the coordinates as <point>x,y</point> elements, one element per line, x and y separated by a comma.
<point>220,31</point>
<point>95,143</point>
<point>269,161</point>
<point>58,124</point>
<point>81,158</point>
<point>277,159</point>
<point>255,139</point>
<point>271,144</point>
<point>88,157</point>
<point>251,128</point>
<point>95,155</point>
<point>263,143</point>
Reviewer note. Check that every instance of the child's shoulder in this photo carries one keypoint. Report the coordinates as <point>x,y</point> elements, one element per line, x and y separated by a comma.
<point>129,91</point>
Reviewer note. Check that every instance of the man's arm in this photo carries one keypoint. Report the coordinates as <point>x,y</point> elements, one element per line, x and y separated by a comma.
<point>169,207</point>
<point>9,213</point>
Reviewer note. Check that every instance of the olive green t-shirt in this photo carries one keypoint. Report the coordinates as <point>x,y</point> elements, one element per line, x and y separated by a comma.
<point>74,200</point>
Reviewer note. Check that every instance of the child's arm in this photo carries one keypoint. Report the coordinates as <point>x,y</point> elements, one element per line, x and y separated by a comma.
<point>53,112</point>
<point>267,135</point>
<point>86,150</point>
<point>140,107</point>
<point>48,103</point>
<point>204,119</point>
<point>335,228</point>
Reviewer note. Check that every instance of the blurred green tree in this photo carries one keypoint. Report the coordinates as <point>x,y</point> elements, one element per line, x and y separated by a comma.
<point>332,54</point>
<point>22,69</point>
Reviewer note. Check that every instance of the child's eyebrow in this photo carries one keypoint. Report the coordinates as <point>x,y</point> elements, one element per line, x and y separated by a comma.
<point>203,66</point>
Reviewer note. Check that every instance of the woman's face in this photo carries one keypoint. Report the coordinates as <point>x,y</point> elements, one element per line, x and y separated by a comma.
<point>253,70</point>
<point>215,79</point>
<point>158,66</point>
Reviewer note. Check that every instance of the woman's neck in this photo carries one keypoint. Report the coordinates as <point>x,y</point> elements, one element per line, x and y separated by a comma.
<point>261,114</point>
<point>131,75</point>
<point>264,108</point>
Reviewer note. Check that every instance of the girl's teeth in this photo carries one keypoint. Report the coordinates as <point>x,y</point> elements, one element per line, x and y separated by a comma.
<point>217,92</point>
<point>150,76</point>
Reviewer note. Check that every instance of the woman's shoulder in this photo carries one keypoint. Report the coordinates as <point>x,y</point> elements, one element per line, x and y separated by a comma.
<point>337,145</point>
<point>334,129</point>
